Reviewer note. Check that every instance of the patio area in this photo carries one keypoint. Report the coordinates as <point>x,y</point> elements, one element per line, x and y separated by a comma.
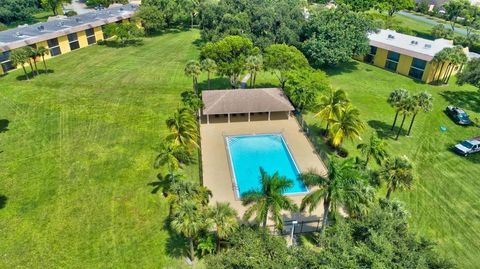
<point>217,173</point>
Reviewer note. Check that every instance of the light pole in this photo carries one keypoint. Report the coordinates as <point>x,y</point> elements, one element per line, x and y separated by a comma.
<point>294,222</point>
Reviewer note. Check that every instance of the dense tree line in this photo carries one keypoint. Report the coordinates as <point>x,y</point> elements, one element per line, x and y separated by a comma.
<point>264,22</point>
<point>19,11</point>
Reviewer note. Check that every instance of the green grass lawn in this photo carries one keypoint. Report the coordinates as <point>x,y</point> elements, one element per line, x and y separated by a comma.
<point>77,154</point>
<point>444,202</point>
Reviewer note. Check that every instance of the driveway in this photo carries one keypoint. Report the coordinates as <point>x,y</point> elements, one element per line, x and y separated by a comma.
<point>77,6</point>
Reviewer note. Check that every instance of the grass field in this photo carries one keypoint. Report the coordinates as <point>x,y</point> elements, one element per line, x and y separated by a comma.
<point>444,202</point>
<point>77,146</point>
<point>76,154</point>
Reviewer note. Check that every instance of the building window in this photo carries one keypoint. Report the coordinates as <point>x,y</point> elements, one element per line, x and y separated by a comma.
<point>392,61</point>
<point>90,36</point>
<point>54,47</point>
<point>73,41</point>
<point>417,68</point>
<point>5,62</point>
<point>370,57</point>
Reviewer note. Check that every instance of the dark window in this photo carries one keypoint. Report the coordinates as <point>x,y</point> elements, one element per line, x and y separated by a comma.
<point>90,36</point>
<point>5,62</point>
<point>392,61</point>
<point>370,57</point>
<point>54,47</point>
<point>373,50</point>
<point>73,41</point>
<point>417,68</point>
<point>90,32</point>
<point>4,56</point>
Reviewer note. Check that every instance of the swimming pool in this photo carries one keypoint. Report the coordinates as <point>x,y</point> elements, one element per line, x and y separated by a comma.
<point>250,152</point>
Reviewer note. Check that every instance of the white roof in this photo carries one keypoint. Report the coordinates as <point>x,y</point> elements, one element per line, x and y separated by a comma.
<point>413,46</point>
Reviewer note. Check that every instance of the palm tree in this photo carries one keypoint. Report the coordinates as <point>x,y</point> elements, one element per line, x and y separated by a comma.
<point>164,182</point>
<point>19,57</point>
<point>439,59</point>
<point>347,125</point>
<point>344,185</point>
<point>192,69</point>
<point>406,107</point>
<point>42,51</point>
<point>183,129</point>
<point>457,58</point>
<point>224,219</point>
<point>209,66</point>
<point>374,148</point>
<point>33,54</point>
<point>423,102</point>
<point>397,172</point>
<point>189,220</point>
<point>331,105</point>
<point>254,65</point>
<point>29,51</point>
<point>268,200</point>
<point>167,156</point>
<point>395,99</point>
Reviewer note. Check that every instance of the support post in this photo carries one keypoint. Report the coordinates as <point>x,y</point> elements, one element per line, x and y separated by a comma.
<point>268,115</point>
<point>228,117</point>
<point>208,119</point>
<point>248,116</point>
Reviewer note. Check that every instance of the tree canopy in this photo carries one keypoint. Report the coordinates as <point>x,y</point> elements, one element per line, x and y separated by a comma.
<point>265,22</point>
<point>19,11</point>
<point>281,58</point>
<point>470,74</point>
<point>334,36</point>
<point>230,55</point>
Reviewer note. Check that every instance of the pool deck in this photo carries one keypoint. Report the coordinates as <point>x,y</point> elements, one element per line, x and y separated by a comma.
<point>217,175</point>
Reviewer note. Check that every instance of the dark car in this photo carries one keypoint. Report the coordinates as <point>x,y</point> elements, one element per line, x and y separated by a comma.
<point>458,115</point>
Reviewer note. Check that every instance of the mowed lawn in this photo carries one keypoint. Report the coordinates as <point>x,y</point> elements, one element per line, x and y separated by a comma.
<point>77,155</point>
<point>444,203</point>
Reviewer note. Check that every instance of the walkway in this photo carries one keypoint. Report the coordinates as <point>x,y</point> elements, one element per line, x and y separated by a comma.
<point>431,22</point>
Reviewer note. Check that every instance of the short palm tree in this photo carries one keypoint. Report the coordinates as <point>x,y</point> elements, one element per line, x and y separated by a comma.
<point>375,148</point>
<point>189,220</point>
<point>347,125</point>
<point>398,174</point>
<point>33,54</point>
<point>20,57</point>
<point>193,69</point>
<point>344,185</point>
<point>269,199</point>
<point>406,107</point>
<point>183,129</point>
<point>189,190</point>
<point>254,65</point>
<point>224,219</point>
<point>423,102</point>
<point>168,157</point>
<point>395,99</point>
<point>330,106</point>
<point>42,51</point>
<point>209,66</point>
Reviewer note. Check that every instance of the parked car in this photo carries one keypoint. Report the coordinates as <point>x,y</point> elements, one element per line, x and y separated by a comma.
<point>467,147</point>
<point>458,115</point>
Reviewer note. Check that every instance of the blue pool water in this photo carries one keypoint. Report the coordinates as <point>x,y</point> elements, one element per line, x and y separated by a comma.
<point>249,153</point>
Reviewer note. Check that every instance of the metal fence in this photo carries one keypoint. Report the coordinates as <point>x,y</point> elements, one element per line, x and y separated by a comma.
<point>299,227</point>
<point>312,139</point>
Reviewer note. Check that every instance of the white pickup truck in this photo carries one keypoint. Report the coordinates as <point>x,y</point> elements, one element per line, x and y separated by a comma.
<point>467,147</point>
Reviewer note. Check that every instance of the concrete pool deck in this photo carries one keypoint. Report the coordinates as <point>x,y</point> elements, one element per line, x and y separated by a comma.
<point>217,175</point>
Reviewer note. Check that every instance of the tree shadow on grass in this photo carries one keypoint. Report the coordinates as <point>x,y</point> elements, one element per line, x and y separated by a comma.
<point>384,130</point>
<point>342,68</point>
<point>465,99</point>
<point>176,244</point>
<point>3,201</point>
<point>113,43</point>
<point>4,125</point>
<point>216,83</point>
<point>31,75</point>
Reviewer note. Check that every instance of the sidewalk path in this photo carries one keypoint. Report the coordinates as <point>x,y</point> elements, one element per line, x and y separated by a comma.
<point>431,22</point>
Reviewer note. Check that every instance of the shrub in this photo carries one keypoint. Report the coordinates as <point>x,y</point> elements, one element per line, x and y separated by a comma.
<point>70,13</point>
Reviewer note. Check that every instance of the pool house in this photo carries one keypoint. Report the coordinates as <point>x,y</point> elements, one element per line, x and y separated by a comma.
<point>245,105</point>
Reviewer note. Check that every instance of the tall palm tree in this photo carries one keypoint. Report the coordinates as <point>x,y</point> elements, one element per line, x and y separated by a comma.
<point>183,129</point>
<point>395,99</point>
<point>209,66</point>
<point>330,106</point>
<point>440,59</point>
<point>19,57</point>
<point>457,58</point>
<point>423,102</point>
<point>347,125</point>
<point>254,65</point>
<point>42,51</point>
<point>193,69</point>
<point>269,199</point>
<point>375,148</point>
<point>344,185</point>
<point>167,156</point>
<point>406,107</point>
<point>398,174</point>
<point>33,54</point>
<point>224,219</point>
<point>189,220</point>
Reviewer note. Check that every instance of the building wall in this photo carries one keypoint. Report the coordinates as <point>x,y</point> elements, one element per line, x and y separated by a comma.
<point>404,64</point>
<point>63,42</point>
<point>98,33</point>
<point>380,58</point>
<point>82,39</point>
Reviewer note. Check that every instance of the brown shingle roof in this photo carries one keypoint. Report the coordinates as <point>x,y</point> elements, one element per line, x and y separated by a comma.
<point>244,101</point>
